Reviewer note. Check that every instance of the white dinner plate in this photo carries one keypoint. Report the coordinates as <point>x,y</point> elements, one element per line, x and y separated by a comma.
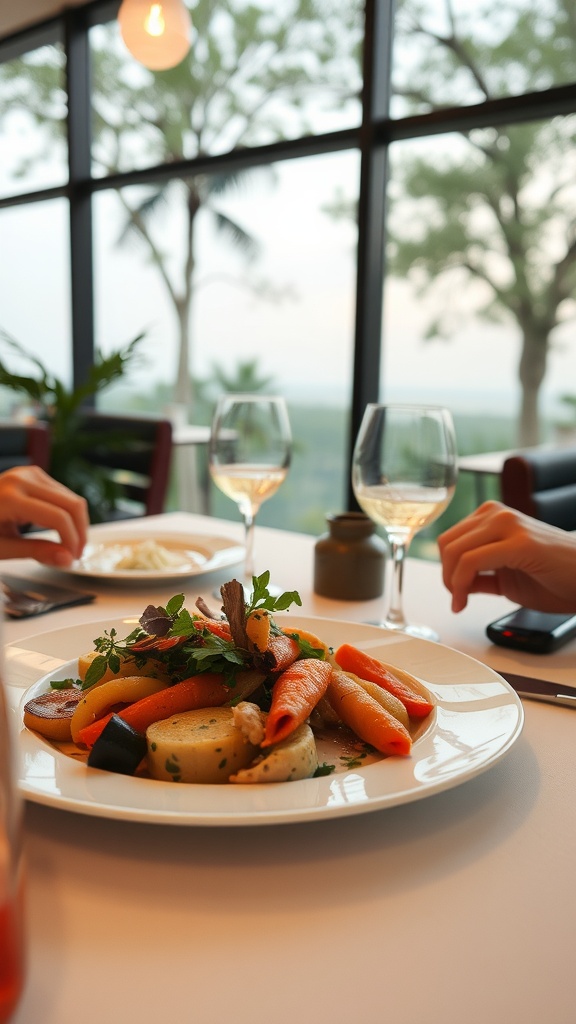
<point>477,719</point>
<point>192,554</point>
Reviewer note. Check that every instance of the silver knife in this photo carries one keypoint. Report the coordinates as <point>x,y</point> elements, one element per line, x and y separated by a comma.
<point>541,689</point>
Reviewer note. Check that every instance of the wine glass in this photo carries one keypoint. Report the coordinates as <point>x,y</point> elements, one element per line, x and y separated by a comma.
<point>249,456</point>
<point>404,471</point>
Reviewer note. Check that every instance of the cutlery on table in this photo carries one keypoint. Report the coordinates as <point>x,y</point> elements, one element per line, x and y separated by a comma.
<point>541,689</point>
<point>23,598</point>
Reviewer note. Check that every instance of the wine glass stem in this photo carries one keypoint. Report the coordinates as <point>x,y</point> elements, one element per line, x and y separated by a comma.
<point>395,614</point>
<point>249,546</point>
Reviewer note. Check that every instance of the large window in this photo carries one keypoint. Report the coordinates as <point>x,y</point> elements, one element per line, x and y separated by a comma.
<point>35,291</point>
<point>338,201</point>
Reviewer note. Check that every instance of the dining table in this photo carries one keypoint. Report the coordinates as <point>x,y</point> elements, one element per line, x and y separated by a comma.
<point>453,907</point>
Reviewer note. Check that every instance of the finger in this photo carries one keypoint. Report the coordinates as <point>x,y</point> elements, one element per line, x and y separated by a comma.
<point>484,513</point>
<point>476,571</point>
<point>45,551</point>
<point>67,519</point>
<point>480,531</point>
<point>484,583</point>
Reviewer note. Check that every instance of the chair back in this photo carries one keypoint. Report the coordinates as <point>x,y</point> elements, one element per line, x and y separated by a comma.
<point>543,485</point>
<point>24,444</point>
<point>135,452</point>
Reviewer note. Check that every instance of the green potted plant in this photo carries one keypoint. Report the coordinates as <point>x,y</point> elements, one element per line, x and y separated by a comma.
<point>61,408</point>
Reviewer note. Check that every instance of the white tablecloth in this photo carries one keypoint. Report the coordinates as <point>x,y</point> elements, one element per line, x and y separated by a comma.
<point>456,908</point>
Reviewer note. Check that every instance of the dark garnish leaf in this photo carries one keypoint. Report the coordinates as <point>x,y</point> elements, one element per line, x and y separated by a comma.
<point>324,769</point>
<point>155,621</point>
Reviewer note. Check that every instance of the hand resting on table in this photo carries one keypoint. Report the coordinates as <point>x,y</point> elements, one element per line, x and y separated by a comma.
<point>497,550</point>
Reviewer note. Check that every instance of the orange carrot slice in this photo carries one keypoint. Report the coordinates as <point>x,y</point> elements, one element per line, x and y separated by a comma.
<point>295,694</point>
<point>206,690</point>
<point>361,664</point>
<point>368,719</point>
<point>284,649</point>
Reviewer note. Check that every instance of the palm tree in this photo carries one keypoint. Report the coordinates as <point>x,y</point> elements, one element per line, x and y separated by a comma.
<point>244,379</point>
<point>200,194</point>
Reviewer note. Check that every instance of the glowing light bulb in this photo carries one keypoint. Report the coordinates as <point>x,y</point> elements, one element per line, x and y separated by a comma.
<point>158,34</point>
<point>154,23</point>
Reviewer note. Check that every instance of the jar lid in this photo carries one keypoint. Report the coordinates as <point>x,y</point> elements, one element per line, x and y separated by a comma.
<point>350,524</point>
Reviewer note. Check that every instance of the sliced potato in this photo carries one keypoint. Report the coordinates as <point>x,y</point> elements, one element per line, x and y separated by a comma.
<point>387,700</point>
<point>99,699</point>
<point>197,746</point>
<point>128,667</point>
<point>294,758</point>
<point>51,713</point>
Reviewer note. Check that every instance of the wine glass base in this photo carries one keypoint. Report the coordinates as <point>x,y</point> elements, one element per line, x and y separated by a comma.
<point>420,632</point>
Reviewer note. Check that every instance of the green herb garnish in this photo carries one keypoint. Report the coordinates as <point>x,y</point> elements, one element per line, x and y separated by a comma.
<point>66,684</point>
<point>262,598</point>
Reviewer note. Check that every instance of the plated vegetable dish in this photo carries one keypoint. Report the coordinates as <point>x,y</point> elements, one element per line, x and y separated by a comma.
<point>204,697</point>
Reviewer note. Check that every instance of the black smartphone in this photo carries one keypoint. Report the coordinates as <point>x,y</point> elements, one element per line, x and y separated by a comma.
<point>535,632</point>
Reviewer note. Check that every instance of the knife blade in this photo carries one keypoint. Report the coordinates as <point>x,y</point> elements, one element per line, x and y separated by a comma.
<point>541,689</point>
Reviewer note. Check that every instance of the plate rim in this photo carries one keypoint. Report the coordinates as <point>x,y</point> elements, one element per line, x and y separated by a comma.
<point>228,552</point>
<point>30,745</point>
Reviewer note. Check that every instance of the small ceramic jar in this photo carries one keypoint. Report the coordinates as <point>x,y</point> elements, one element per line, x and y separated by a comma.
<point>349,559</point>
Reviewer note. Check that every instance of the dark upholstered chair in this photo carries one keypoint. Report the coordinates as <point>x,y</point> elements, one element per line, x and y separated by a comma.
<point>24,444</point>
<point>135,452</point>
<point>543,485</point>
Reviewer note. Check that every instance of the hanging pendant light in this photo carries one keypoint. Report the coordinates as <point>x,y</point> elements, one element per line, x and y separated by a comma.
<point>157,34</point>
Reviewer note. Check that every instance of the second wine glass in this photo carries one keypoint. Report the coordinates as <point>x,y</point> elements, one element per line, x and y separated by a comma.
<point>404,473</point>
<point>249,456</point>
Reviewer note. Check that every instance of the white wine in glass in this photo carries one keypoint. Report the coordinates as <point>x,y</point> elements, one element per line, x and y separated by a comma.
<point>404,472</point>
<point>249,456</point>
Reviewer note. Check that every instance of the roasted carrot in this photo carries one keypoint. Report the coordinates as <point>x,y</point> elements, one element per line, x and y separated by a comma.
<point>361,664</point>
<point>200,691</point>
<point>368,719</point>
<point>284,650</point>
<point>295,694</point>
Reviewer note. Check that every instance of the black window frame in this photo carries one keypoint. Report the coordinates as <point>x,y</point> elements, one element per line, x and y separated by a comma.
<point>372,139</point>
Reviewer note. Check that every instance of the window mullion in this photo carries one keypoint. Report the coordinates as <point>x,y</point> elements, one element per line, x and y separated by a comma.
<point>371,216</point>
<point>79,164</point>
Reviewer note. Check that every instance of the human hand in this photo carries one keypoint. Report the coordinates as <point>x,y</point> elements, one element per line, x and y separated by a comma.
<point>29,495</point>
<point>497,550</point>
